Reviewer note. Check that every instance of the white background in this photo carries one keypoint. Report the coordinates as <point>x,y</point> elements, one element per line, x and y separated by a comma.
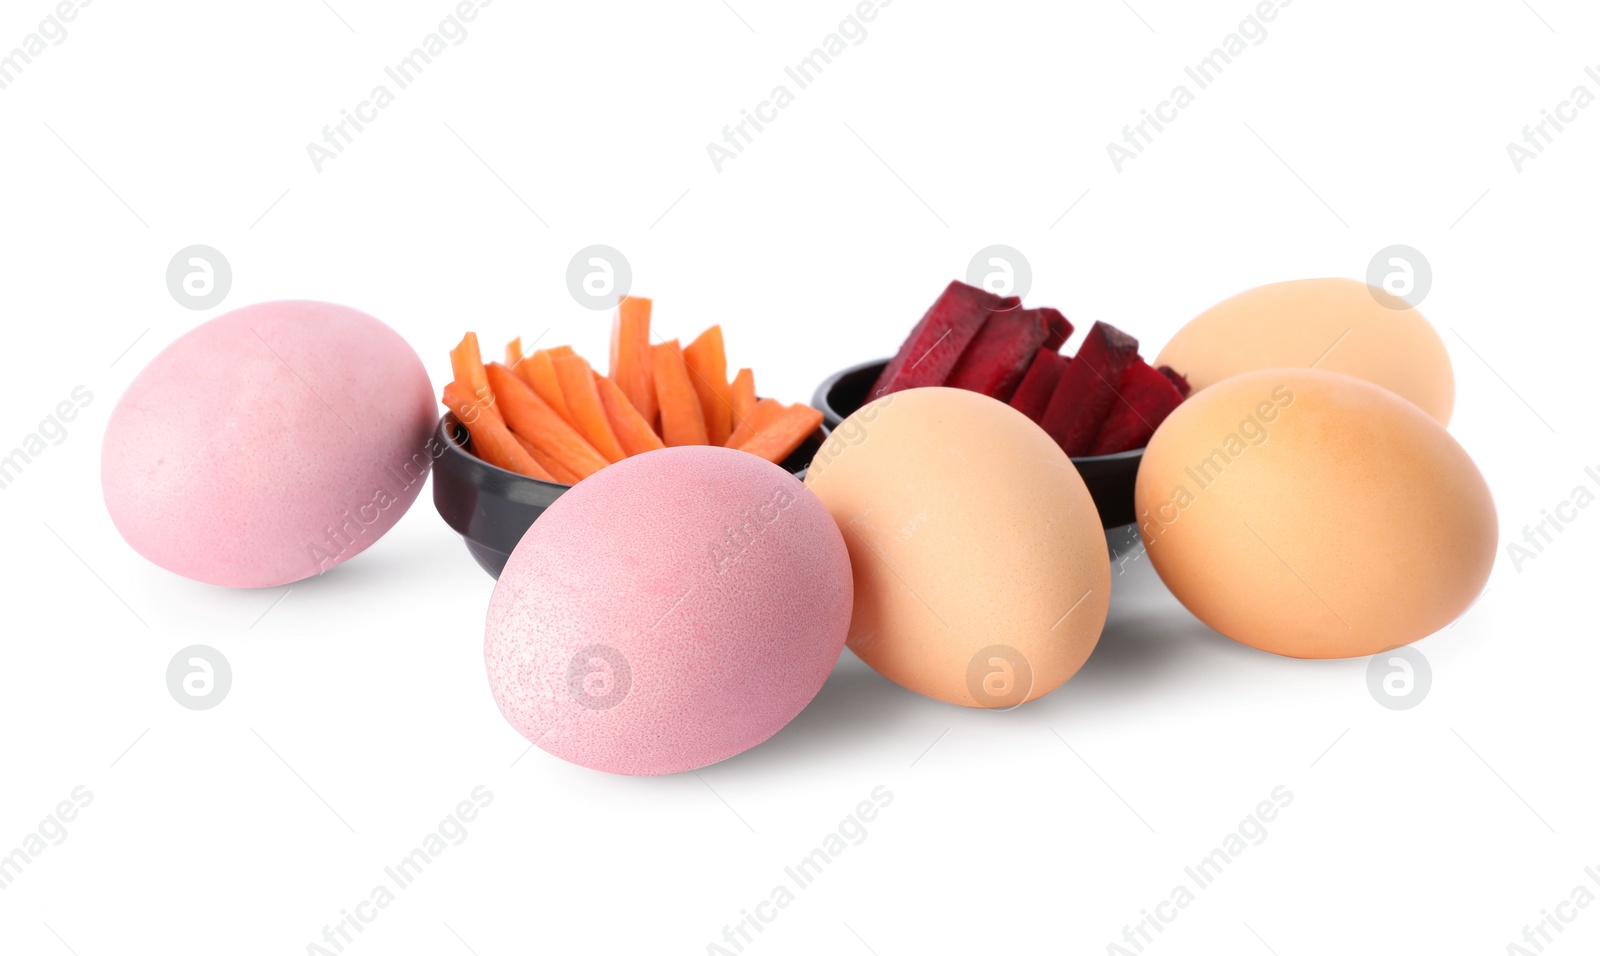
<point>359,714</point>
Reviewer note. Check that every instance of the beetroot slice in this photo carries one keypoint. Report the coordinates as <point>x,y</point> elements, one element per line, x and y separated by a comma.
<point>1144,399</point>
<point>1084,395</point>
<point>1176,378</point>
<point>1039,383</point>
<point>934,346</point>
<point>1060,329</point>
<point>999,354</point>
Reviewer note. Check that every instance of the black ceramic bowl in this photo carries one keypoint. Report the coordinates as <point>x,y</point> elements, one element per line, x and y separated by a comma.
<point>492,508</point>
<point>1109,477</point>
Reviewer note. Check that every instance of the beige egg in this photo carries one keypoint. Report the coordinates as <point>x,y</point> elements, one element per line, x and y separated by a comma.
<point>980,565</point>
<point>1313,514</point>
<point>1339,325</point>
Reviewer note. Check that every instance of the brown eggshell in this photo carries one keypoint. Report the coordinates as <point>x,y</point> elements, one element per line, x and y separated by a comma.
<point>1313,514</point>
<point>1338,325</point>
<point>981,570</point>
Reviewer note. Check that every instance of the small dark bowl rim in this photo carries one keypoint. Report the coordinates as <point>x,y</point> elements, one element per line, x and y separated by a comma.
<point>819,400</point>
<point>454,447</point>
<point>477,470</point>
<point>491,507</point>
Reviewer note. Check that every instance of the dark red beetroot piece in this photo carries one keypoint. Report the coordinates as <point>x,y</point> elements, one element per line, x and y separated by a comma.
<point>1033,393</point>
<point>1176,379</point>
<point>1144,399</point>
<point>1000,353</point>
<point>1084,395</point>
<point>936,344</point>
<point>1060,329</point>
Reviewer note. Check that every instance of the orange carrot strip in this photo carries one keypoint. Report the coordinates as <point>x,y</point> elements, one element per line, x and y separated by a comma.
<point>708,372</point>
<point>490,439</point>
<point>583,401</point>
<point>632,361</point>
<point>558,473</point>
<point>764,412</point>
<point>743,395</point>
<point>514,353</point>
<point>682,421</point>
<point>632,431</point>
<point>538,371</point>
<point>533,419</point>
<point>466,362</point>
<point>784,434</point>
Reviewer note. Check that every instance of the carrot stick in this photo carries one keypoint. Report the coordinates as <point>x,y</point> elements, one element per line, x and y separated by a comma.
<point>784,434</point>
<point>632,361</point>
<point>557,472</point>
<point>583,402</point>
<point>632,431</point>
<point>742,393</point>
<point>490,439</point>
<point>764,412</point>
<point>538,371</point>
<point>708,372</point>
<point>514,353</point>
<point>682,421</point>
<point>533,419</point>
<point>466,362</point>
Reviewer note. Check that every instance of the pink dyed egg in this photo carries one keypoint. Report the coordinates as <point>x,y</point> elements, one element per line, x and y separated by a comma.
<point>269,444</point>
<point>674,609</point>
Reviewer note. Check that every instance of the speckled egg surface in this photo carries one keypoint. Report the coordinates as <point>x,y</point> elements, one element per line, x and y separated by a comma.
<point>668,612</point>
<point>981,568</point>
<point>269,444</point>
<point>1315,515</point>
